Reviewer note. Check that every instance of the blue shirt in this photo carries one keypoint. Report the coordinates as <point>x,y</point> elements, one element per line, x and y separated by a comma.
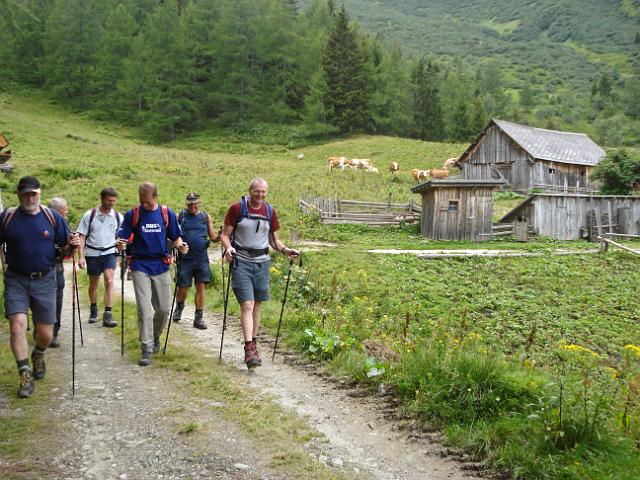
<point>31,240</point>
<point>195,230</point>
<point>149,248</point>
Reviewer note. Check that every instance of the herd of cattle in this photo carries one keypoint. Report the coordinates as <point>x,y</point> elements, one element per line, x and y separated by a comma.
<point>344,163</point>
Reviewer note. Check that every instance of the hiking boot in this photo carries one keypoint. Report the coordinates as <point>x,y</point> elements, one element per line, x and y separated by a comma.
<point>54,342</point>
<point>198,322</point>
<point>39,368</point>
<point>255,347</point>
<point>93,314</point>
<point>251,355</point>
<point>26,383</point>
<point>145,359</point>
<point>177,313</point>
<point>107,320</point>
<point>156,345</point>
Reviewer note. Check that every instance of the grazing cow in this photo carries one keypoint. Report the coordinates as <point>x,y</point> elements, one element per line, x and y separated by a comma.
<point>355,163</point>
<point>300,156</point>
<point>450,162</point>
<point>442,173</point>
<point>418,174</point>
<point>338,162</point>
<point>372,170</point>
<point>394,167</point>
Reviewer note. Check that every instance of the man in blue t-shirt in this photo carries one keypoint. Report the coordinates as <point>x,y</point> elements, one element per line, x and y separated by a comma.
<point>151,225</point>
<point>197,228</point>
<point>31,233</point>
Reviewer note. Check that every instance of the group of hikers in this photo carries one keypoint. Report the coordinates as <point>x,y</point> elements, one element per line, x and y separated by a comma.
<point>37,239</point>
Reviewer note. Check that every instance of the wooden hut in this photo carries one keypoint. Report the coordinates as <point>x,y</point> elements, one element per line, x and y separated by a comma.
<point>527,158</point>
<point>457,209</point>
<point>571,217</point>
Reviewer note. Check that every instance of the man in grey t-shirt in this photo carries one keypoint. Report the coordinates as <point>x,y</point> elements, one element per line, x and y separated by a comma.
<point>98,230</point>
<point>250,227</point>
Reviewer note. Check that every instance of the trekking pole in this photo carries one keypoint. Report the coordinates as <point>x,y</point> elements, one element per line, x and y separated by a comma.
<point>284,300</point>
<point>173,302</point>
<point>73,330</point>
<point>77,294</point>
<point>226,303</point>
<point>123,266</point>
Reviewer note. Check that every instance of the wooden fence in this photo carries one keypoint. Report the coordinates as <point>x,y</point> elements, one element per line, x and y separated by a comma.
<point>337,210</point>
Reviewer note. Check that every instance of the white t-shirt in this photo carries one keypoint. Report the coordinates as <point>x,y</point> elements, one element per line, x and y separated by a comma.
<point>104,228</point>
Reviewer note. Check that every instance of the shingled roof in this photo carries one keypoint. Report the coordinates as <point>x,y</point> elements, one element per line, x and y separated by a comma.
<point>551,145</point>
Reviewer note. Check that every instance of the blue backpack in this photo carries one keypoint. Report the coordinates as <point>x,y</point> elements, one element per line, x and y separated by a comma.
<point>244,212</point>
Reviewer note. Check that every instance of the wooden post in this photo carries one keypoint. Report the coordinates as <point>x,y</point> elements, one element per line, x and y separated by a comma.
<point>389,203</point>
<point>407,319</point>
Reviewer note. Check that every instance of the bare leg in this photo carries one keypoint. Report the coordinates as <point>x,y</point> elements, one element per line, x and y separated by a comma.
<point>256,318</point>
<point>246,319</point>
<point>181,296</point>
<point>93,288</point>
<point>109,286</point>
<point>18,340</point>
<point>44,335</point>
<point>200,296</point>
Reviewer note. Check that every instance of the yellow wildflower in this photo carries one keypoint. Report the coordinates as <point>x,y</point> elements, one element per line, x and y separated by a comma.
<point>633,349</point>
<point>572,347</point>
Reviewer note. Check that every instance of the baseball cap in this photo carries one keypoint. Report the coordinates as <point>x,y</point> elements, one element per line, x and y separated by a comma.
<point>28,184</point>
<point>193,197</point>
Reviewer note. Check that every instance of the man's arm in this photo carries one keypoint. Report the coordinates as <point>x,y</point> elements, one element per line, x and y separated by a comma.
<point>277,244</point>
<point>225,239</point>
<point>215,237</point>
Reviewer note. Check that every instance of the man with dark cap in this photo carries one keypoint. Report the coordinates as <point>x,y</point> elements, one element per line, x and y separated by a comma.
<point>31,233</point>
<point>197,228</point>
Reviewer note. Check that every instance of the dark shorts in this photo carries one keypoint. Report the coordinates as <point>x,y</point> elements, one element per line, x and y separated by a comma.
<point>250,281</point>
<point>39,294</point>
<point>196,269</point>
<point>97,265</point>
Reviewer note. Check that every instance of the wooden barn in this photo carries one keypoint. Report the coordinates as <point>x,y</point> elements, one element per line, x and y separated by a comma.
<point>457,209</point>
<point>575,216</point>
<point>527,158</point>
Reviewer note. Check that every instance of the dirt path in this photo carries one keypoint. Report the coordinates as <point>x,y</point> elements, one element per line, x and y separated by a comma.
<point>124,420</point>
<point>358,436</point>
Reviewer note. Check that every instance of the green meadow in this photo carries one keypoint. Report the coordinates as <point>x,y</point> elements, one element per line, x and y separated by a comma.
<point>529,364</point>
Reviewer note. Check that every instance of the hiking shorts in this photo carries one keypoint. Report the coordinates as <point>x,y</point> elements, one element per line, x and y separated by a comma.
<point>250,281</point>
<point>196,269</point>
<point>97,265</point>
<point>22,293</point>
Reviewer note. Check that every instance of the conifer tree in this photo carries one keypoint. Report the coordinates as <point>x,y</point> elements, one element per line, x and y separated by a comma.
<point>391,98</point>
<point>113,50</point>
<point>462,129</point>
<point>165,94</point>
<point>71,38</point>
<point>347,76</point>
<point>427,109</point>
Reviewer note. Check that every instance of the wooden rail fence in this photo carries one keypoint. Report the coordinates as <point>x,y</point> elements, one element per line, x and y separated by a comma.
<point>337,210</point>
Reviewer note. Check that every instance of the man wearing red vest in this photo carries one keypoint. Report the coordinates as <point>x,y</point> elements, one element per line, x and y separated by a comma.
<point>250,227</point>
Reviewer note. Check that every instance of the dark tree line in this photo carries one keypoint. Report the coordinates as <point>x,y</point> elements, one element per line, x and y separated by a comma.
<point>177,66</point>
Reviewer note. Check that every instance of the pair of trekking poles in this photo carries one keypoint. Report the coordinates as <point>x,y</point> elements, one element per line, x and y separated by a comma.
<point>226,302</point>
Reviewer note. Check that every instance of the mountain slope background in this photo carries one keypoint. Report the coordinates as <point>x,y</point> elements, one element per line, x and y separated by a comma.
<point>555,50</point>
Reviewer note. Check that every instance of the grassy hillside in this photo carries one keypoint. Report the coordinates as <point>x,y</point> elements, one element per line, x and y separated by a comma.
<point>470,345</point>
<point>524,34</point>
<point>557,49</point>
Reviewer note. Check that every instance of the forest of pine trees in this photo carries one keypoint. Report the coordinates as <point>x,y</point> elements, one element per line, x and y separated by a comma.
<point>175,66</point>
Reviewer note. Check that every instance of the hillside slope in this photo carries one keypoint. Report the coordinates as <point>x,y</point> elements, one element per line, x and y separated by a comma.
<point>558,45</point>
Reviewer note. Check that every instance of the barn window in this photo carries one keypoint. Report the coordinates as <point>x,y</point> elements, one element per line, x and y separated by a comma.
<point>583,173</point>
<point>453,205</point>
<point>552,170</point>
